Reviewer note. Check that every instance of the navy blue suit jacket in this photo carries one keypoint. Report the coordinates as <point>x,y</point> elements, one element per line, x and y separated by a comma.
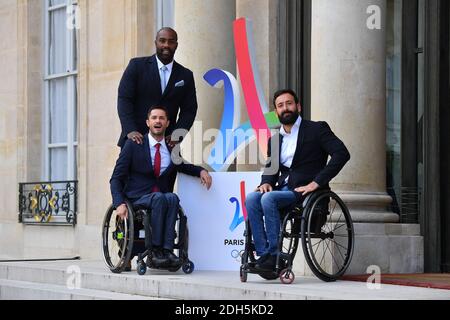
<point>133,174</point>
<point>315,143</point>
<point>140,89</point>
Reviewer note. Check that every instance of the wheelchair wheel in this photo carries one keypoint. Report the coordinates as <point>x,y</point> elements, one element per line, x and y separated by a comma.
<point>242,274</point>
<point>327,236</point>
<point>188,267</point>
<point>141,268</point>
<point>249,248</point>
<point>117,239</point>
<point>290,234</point>
<point>287,276</point>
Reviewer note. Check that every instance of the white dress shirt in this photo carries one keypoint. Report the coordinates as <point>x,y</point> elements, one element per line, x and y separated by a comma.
<point>163,150</point>
<point>289,144</point>
<point>168,71</point>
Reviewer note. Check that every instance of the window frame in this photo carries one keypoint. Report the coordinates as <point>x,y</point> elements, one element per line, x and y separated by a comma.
<point>165,13</point>
<point>71,95</point>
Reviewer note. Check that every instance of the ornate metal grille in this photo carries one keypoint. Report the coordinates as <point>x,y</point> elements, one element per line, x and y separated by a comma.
<point>50,203</point>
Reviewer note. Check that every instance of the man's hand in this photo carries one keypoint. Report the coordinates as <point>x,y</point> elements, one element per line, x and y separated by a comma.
<point>264,188</point>
<point>313,186</point>
<point>122,211</point>
<point>170,142</point>
<point>205,179</point>
<point>136,137</point>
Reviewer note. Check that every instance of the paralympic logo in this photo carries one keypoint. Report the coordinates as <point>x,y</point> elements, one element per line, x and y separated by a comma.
<point>237,218</point>
<point>260,119</point>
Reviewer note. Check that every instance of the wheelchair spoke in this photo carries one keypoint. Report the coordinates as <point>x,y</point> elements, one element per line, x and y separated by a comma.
<point>317,243</point>
<point>331,211</point>
<point>317,248</point>
<point>328,227</point>
<point>338,248</point>
<point>332,255</point>
<point>340,245</point>
<point>339,219</point>
<point>329,254</point>
<point>323,255</point>
<point>343,224</point>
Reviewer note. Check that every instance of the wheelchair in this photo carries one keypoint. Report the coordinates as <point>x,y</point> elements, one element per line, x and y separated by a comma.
<point>122,240</point>
<point>324,225</point>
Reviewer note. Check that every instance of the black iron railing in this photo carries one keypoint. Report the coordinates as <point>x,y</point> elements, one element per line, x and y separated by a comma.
<point>406,202</point>
<point>49,203</point>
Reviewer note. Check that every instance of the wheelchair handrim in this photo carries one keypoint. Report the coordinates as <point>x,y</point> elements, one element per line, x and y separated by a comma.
<point>308,245</point>
<point>126,246</point>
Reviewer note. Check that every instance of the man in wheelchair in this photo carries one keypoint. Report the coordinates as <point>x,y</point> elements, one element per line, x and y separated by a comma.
<point>304,147</point>
<point>142,176</point>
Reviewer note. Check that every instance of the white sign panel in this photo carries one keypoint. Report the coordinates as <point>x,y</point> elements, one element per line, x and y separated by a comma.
<point>216,218</point>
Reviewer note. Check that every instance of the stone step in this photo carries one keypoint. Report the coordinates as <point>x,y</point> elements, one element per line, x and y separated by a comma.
<point>156,283</point>
<point>200,285</point>
<point>25,290</point>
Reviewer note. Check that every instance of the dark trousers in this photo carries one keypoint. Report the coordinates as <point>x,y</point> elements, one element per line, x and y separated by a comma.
<point>164,210</point>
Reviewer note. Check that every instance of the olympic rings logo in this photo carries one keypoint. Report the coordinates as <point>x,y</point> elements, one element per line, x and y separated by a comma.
<point>237,255</point>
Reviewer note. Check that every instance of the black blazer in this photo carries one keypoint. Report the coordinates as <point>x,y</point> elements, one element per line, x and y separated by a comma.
<point>133,174</point>
<point>315,143</point>
<point>140,88</point>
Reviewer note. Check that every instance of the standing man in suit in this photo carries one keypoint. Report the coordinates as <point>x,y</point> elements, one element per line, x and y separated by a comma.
<point>156,80</point>
<point>304,147</point>
<point>142,175</point>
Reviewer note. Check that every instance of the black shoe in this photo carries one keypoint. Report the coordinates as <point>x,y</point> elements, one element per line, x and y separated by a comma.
<point>159,259</point>
<point>174,261</point>
<point>282,264</point>
<point>260,260</point>
<point>268,264</point>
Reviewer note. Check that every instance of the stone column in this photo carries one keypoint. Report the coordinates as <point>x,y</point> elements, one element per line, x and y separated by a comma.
<point>205,41</point>
<point>263,15</point>
<point>111,33</point>
<point>12,133</point>
<point>348,76</point>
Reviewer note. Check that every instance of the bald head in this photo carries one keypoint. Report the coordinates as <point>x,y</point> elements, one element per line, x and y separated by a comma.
<point>169,30</point>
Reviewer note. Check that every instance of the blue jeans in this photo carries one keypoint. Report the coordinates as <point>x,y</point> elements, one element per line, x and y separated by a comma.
<point>267,206</point>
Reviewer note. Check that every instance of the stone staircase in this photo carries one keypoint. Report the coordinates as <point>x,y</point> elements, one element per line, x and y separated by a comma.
<point>25,290</point>
<point>58,281</point>
<point>82,279</point>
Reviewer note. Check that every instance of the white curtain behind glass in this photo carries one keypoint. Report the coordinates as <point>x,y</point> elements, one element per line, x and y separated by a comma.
<point>56,2</point>
<point>58,31</point>
<point>165,13</point>
<point>58,163</point>
<point>58,93</point>
<point>58,110</point>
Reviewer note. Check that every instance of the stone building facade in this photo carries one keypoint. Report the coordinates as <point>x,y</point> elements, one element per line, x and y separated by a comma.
<point>331,52</point>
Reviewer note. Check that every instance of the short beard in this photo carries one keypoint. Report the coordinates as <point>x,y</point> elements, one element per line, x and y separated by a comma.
<point>290,119</point>
<point>161,57</point>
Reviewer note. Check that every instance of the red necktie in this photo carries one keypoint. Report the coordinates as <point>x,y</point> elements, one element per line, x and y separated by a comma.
<point>157,166</point>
